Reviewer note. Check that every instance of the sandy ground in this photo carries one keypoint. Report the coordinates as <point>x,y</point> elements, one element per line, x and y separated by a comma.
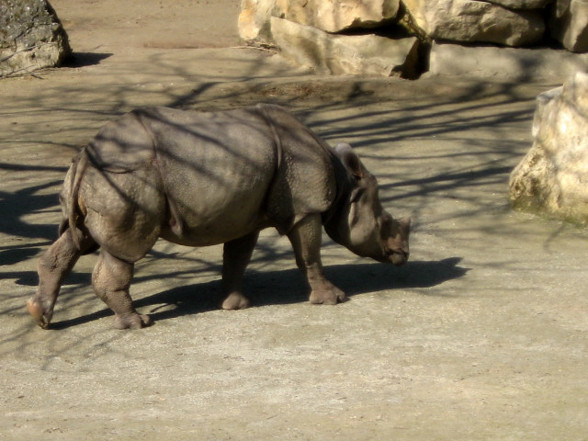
<point>482,336</point>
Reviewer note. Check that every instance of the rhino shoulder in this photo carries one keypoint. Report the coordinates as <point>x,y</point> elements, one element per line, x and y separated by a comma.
<point>305,181</point>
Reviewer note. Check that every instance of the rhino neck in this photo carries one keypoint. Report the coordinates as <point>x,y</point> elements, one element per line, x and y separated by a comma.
<point>335,218</point>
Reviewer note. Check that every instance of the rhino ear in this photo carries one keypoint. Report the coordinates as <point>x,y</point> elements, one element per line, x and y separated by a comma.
<point>349,159</point>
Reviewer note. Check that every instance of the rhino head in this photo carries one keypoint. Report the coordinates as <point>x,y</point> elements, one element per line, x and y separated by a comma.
<point>359,222</point>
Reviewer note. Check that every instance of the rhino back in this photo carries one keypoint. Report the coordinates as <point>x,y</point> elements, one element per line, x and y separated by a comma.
<point>122,145</point>
<point>220,175</point>
<point>216,169</point>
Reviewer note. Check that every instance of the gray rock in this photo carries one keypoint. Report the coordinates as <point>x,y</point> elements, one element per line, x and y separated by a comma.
<point>473,21</point>
<point>31,37</point>
<point>569,24</point>
<point>346,54</point>
<point>552,177</point>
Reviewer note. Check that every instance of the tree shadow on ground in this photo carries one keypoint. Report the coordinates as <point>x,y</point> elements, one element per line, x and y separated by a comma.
<point>285,287</point>
<point>409,116</point>
<point>391,123</point>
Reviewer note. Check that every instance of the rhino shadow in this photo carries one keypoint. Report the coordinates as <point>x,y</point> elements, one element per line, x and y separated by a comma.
<point>284,287</point>
<point>288,286</point>
<point>354,279</point>
<point>361,279</point>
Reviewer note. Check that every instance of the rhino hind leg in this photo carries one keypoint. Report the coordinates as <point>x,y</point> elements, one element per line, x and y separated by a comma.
<point>306,241</point>
<point>236,256</point>
<point>54,265</point>
<point>111,280</point>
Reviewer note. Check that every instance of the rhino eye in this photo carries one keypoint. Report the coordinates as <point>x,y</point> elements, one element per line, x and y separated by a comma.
<point>386,226</point>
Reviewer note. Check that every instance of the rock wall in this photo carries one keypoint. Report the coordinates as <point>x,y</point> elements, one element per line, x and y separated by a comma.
<point>346,54</point>
<point>504,23</point>
<point>553,176</point>
<point>337,15</point>
<point>473,21</point>
<point>31,37</point>
<point>568,23</point>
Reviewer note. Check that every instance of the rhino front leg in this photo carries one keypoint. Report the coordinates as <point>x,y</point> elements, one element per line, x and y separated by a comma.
<point>306,241</point>
<point>111,280</point>
<point>54,265</point>
<point>236,257</point>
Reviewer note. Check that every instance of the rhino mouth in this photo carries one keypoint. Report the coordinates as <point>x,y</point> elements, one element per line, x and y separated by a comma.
<point>397,257</point>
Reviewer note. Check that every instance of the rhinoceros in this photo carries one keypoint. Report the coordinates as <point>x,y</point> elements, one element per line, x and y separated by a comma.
<point>205,178</point>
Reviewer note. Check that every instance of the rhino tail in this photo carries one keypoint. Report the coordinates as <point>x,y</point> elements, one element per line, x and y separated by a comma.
<point>74,211</point>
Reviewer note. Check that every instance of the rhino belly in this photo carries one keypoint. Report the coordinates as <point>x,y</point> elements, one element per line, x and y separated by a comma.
<point>214,200</point>
<point>210,216</point>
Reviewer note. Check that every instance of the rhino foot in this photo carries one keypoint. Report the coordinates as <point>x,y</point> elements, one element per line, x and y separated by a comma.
<point>43,319</point>
<point>235,300</point>
<point>327,296</point>
<point>134,321</point>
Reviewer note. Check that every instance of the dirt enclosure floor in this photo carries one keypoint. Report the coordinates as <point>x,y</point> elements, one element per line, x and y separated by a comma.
<point>482,336</point>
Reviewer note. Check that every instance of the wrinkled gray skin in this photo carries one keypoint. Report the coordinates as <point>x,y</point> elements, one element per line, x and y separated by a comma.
<point>200,179</point>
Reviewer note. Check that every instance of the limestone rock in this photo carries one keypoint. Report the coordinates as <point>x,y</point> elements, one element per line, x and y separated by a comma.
<point>569,24</point>
<point>553,176</point>
<point>521,4</point>
<point>338,15</point>
<point>31,37</point>
<point>327,15</point>
<point>346,54</point>
<point>474,21</point>
<point>254,20</point>
<point>504,63</point>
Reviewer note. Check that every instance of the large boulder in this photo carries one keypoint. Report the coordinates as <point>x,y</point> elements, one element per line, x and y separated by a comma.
<point>569,24</point>
<point>31,37</point>
<point>553,176</point>
<point>521,4</point>
<point>346,54</point>
<point>338,15</point>
<point>327,15</point>
<point>473,21</point>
